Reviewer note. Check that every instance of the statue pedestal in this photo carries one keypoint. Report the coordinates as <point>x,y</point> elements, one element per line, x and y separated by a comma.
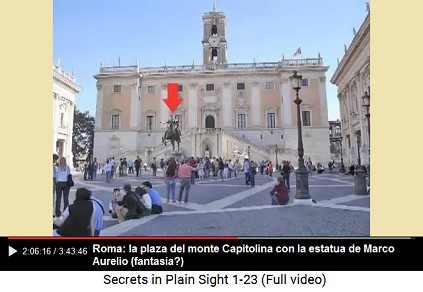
<point>175,154</point>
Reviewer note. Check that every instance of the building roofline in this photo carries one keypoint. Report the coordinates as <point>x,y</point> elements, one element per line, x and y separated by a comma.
<point>346,59</point>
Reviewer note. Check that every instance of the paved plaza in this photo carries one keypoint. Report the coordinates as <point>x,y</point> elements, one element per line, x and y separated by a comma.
<point>233,208</point>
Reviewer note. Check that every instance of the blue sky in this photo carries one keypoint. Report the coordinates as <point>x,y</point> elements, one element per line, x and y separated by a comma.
<point>86,33</point>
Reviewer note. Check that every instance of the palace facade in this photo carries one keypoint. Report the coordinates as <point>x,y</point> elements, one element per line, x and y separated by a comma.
<point>353,80</point>
<point>64,93</point>
<point>227,107</point>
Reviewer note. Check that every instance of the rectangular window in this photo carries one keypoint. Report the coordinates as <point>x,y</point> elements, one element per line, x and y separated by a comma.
<point>62,120</point>
<point>306,118</point>
<point>240,86</point>
<point>270,85</point>
<point>271,120</point>
<point>149,123</point>
<point>180,88</point>
<point>150,89</point>
<point>115,122</point>
<point>241,121</point>
<point>304,82</point>
<point>210,87</point>
<point>117,88</point>
<point>179,119</point>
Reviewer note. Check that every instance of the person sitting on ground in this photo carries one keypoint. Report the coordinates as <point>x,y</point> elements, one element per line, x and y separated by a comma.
<point>279,193</point>
<point>98,214</point>
<point>156,201</point>
<point>129,207</point>
<point>145,200</point>
<point>78,218</point>
<point>117,196</point>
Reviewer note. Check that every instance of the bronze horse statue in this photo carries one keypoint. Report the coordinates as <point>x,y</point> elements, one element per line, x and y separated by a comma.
<point>172,134</point>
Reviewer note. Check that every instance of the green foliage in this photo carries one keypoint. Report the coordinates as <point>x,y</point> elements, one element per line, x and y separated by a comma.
<point>83,134</point>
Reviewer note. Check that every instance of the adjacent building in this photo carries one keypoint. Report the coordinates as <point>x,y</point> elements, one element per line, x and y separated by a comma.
<point>335,138</point>
<point>65,90</point>
<point>352,77</point>
<point>227,108</point>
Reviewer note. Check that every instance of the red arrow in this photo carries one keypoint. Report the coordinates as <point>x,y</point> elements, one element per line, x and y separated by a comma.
<point>173,100</point>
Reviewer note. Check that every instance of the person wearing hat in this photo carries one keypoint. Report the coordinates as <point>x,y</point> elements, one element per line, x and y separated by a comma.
<point>279,194</point>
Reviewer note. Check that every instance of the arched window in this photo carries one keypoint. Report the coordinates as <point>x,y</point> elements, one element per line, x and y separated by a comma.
<point>210,122</point>
<point>214,29</point>
<point>214,54</point>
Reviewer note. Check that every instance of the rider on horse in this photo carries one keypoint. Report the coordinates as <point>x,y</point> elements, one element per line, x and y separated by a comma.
<point>172,125</point>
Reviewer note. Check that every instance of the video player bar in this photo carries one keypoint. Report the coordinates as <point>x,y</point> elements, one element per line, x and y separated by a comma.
<point>208,253</point>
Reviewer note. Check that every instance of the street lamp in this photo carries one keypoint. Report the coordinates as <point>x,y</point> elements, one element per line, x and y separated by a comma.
<point>276,153</point>
<point>301,173</point>
<point>248,152</point>
<point>366,105</point>
<point>342,168</point>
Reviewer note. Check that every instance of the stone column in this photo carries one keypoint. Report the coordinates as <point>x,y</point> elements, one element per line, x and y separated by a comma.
<point>192,106</point>
<point>286,103</point>
<point>164,110</point>
<point>227,105</point>
<point>323,102</point>
<point>69,156</point>
<point>255,104</point>
<point>134,108</point>
<point>99,107</point>
<point>54,121</point>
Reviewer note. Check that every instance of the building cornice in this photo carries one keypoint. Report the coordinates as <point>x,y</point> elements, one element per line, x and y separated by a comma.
<point>65,79</point>
<point>352,50</point>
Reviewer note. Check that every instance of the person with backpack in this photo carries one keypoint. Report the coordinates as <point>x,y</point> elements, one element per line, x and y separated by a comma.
<point>170,179</point>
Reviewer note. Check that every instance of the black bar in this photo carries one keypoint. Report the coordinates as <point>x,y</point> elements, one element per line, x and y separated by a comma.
<point>79,255</point>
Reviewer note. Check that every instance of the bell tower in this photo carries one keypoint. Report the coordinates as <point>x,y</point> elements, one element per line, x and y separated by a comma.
<point>214,37</point>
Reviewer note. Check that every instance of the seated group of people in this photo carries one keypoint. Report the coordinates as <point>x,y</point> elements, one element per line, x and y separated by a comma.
<point>134,204</point>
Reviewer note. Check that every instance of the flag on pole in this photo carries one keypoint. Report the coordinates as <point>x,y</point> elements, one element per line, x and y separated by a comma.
<point>298,52</point>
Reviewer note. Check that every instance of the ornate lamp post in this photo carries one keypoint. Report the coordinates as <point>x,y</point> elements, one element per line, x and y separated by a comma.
<point>342,167</point>
<point>301,173</point>
<point>276,153</point>
<point>366,105</point>
<point>248,152</point>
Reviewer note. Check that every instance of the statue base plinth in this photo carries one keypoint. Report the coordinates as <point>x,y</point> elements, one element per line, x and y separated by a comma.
<point>175,154</point>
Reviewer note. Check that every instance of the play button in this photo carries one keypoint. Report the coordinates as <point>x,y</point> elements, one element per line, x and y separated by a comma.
<point>12,251</point>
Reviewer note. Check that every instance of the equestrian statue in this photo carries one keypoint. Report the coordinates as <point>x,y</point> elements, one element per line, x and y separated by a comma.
<point>172,133</point>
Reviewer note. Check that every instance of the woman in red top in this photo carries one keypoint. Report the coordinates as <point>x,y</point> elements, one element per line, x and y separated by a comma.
<point>279,193</point>
<point>270,169</point>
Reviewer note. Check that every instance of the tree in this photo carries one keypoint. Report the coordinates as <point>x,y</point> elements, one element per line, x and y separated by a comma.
<point>83,134</point>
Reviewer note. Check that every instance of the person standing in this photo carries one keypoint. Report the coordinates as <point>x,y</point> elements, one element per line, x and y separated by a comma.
<point>108,170</point>
<point>170,179</point>
<point>62,188</point>
<point>253,173</point>
<point>154,167</point>
<point>95,169</point>
<point>137,165</point>
<point>286,170</point>
<point>247,171</point>
<point>55,157</point>
<point>184,174</point>
<point>130,166</point>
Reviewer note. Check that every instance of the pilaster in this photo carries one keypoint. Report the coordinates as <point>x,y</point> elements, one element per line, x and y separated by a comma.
<point>286,103</point>
<point>227,105</point>
<point>255,104</point>
<point>192,105</point>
